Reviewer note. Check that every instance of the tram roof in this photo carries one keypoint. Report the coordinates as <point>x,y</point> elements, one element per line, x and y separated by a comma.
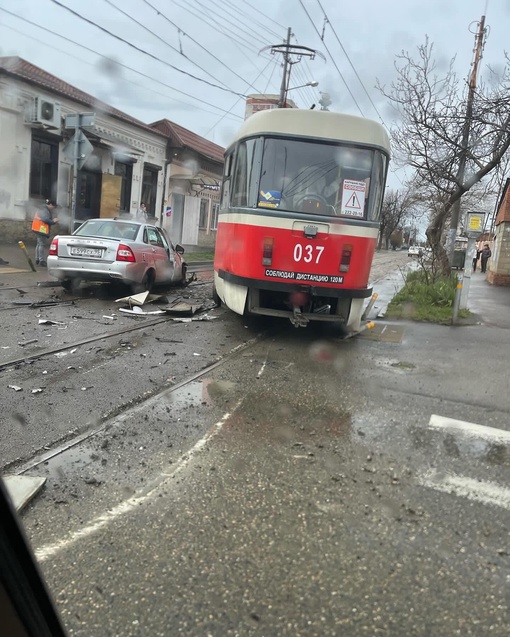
<point>317,124</point>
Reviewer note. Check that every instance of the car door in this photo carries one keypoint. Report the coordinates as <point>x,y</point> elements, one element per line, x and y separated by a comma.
<point>159,248</point>
<point>175,258</point>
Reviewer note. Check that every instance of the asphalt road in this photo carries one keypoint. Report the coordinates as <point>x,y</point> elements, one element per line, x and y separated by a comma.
<point>298,487</point>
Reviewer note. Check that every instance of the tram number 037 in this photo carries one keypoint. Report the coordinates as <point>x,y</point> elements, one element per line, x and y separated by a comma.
<point>307,253</point>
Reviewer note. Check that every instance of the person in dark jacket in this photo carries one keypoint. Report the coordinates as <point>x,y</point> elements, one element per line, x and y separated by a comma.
<point>485,256</point>
<point>41,224</point>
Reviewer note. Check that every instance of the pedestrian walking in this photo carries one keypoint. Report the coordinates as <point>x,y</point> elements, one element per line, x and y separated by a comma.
<point>485,256</point>
<point>476,256</point>
<point>43,219</point>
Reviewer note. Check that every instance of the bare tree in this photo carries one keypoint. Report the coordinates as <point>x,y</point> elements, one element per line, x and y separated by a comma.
<point>429,137</point>
<point>398,208</point>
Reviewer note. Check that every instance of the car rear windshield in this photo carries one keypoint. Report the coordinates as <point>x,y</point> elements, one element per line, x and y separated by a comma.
<point>108,229</point>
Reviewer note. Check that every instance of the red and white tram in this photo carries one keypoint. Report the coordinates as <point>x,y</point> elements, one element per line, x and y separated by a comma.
<point>299,216</point>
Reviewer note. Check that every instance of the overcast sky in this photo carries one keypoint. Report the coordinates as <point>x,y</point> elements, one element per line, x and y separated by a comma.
<point>220,42</point>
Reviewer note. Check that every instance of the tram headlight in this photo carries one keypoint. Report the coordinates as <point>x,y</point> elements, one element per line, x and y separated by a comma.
<point>267,254</point>
<point>345,261</point>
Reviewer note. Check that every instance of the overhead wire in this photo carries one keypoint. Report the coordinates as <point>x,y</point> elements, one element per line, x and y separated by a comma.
<point>235,103</point>
<point>140,50</point>
<point>351,64</point>
<point>251,18</point>
<point>331,58</point>
<point>201,46</point>
<point>165,42</point>
<point>232,24</point>
<point>120,64</point>
<point>233,39</point>
<point>52,46</point>
<point>261,13</point>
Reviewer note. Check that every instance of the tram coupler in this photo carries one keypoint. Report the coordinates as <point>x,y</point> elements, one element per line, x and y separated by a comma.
<point>297,319</point>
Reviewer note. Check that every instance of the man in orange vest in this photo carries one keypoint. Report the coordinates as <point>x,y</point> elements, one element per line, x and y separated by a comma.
<point>41,226</point>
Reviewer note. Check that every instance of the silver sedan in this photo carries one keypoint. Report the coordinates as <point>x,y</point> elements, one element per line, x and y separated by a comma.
<point>131,252</point>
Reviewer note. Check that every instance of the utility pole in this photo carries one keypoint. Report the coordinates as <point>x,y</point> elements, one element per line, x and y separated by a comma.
<point>286,59</point>
<point>78,149</point>
<point>288,50</point>
<point>454,221</point>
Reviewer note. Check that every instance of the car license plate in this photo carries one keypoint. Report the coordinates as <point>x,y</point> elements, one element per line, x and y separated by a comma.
<point>86,252</point>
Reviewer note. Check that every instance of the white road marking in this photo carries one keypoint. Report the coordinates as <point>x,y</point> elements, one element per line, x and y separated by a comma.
<point>479,491</point>
<point>50,550</point>
<point>469,429</point>
<point>261,370</point>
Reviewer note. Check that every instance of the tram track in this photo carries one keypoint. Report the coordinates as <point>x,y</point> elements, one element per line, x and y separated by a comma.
<point>138,404</point>
<point>85,341</point>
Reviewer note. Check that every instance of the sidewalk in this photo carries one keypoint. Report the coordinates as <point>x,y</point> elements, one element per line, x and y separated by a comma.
<point>490,302</point>
<point>18,273</point>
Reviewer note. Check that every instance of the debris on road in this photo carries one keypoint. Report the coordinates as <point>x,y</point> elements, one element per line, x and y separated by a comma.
<point>142,298</point>
<point>50,322</point>
<point>38,390</point>
<point>16,387</point>
<point>32,340</point>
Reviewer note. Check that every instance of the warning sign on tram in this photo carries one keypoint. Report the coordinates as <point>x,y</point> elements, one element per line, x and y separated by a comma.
<point>353,198</point>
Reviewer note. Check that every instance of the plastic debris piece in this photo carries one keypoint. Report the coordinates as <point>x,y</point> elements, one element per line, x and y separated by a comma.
<point>32,340</point>
<point>61,354</point>
<point>16,387</point>
<point>38,390</point>
<point>49,322</point>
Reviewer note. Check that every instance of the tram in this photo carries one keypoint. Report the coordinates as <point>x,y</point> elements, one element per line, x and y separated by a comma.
<point>299,216</point>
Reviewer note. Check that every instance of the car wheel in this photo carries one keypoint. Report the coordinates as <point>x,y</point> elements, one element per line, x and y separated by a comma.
<point>216,297</point>
<point>146,285</point>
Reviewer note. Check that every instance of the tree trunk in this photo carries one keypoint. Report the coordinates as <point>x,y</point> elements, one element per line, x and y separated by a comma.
<point>434,234</point>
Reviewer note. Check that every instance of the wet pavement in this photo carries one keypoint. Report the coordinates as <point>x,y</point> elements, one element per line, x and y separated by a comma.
<point>286,482</point>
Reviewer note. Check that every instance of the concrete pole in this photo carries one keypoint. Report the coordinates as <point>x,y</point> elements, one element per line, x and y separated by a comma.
<point>76,156</point>
<point>468,267</point>
<point>454,221</point>
<point>283,87</point>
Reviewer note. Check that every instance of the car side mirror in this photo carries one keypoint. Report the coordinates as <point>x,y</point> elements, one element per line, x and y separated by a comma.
<point>179,249</point>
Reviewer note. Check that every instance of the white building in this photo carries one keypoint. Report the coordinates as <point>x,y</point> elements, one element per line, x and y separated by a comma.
<point>127,165</point>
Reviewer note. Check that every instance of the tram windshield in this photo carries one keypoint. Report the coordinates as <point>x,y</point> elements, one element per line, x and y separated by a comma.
<point>321,178</point>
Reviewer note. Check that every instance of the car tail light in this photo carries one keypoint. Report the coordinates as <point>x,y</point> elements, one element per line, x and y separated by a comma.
<point>124,253</point>
<point>54,247</point>
<point>267,254</point>
<point>345,261</point>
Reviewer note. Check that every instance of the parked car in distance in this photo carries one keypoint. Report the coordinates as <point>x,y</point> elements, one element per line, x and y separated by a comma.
<point>415,251</point>
<point>116,250</point>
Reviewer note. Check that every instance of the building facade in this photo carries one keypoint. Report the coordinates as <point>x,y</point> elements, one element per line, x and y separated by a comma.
<point>192,188</point>
<point>498,270</point>
<point>263,102</point>
<point>128,162</point>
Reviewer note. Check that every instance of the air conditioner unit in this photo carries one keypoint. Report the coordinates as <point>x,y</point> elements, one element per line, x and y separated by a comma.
<point>47,113</point>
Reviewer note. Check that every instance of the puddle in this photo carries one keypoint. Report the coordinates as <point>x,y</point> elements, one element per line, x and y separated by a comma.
<point>200,392</point>
<point>71,460</point>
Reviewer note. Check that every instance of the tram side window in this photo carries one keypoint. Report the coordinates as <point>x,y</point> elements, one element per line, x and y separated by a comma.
<point>377,189</point>
<point>227,180</point>
<point>243,173</point>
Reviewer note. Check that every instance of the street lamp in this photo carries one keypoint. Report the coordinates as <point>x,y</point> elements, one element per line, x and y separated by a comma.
<point>313,83</point>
